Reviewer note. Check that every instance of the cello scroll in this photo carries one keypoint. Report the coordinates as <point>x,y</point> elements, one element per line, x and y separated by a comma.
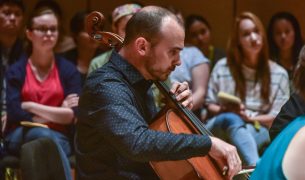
<point>95,24</point>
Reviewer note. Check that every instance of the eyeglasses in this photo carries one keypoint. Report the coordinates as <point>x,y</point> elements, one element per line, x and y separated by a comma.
<point>45,29</point>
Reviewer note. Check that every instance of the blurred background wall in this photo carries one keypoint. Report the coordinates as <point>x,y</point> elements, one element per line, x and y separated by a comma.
<point>219,13</point>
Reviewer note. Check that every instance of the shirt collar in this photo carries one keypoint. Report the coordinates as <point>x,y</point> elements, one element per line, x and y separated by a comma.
<point>130,72</point>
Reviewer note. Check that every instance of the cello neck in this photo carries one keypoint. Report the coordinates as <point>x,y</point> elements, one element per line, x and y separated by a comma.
<point>164,89</point>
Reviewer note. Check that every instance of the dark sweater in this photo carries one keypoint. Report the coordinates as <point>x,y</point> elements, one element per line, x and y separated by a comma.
<point>293,108</point>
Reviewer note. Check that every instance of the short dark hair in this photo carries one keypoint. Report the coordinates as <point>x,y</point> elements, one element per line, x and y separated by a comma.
<point>147,24</point>
<point>18,3</point>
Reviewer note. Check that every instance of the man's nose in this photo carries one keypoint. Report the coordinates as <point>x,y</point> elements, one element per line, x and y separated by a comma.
<point>178,61</point>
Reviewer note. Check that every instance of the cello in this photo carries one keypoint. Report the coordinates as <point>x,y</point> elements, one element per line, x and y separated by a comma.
<point>172,118</point>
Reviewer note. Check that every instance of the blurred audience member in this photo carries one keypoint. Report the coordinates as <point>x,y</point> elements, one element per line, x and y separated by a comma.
<point>120,17</point>
<point>261,84</point>
<point>198,33</point>
<point>194,70</point>
<point>285,40</point>
<point>295,106</point>
<point>86,47</point>
<point>65,42</point>
<point>284,158</point>
<point>42,89</point>
<point>11,23</point>
<point>11,46</point>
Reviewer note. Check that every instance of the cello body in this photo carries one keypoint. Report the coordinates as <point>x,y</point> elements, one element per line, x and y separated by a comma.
<point>171,120</point>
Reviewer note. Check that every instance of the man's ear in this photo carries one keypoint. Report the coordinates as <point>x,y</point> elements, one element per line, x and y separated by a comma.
<point>142,46</point>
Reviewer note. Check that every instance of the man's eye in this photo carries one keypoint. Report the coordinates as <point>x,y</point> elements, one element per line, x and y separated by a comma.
<point>173,52</point>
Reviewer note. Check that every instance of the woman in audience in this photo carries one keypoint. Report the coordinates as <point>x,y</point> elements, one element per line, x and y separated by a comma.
<point>295,106</point>
<point>285,40</point>
<point>261,84</point>
<point>86,47</point>
<point>194,70</point>
<point>42,88</point>
<point>284,158</point>
<point>64,42</point>
<point>198,33</point>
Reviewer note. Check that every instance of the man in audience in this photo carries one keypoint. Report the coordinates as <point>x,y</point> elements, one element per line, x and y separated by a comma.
<point>11,23</point>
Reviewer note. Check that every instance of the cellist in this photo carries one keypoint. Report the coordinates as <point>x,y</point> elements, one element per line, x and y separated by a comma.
<point>113,139</point>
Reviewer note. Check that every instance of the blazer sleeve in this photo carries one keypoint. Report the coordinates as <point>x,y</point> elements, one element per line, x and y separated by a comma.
<point>70,78</point>
<point>15,80</point>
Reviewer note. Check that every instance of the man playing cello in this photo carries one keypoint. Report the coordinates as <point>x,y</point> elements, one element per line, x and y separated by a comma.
<point>113,139</point>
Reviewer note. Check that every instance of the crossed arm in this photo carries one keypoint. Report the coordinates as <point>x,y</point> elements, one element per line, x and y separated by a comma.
<point>43,113</point>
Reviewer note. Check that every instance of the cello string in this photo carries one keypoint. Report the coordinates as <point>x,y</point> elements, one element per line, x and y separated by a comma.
<point>188,113</point>
<point>191,116</point>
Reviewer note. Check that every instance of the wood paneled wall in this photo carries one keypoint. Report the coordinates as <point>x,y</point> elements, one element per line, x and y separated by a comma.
<point>219,13</point>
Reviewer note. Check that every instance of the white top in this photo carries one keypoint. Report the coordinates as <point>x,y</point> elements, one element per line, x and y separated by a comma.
<point>222,80</point>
